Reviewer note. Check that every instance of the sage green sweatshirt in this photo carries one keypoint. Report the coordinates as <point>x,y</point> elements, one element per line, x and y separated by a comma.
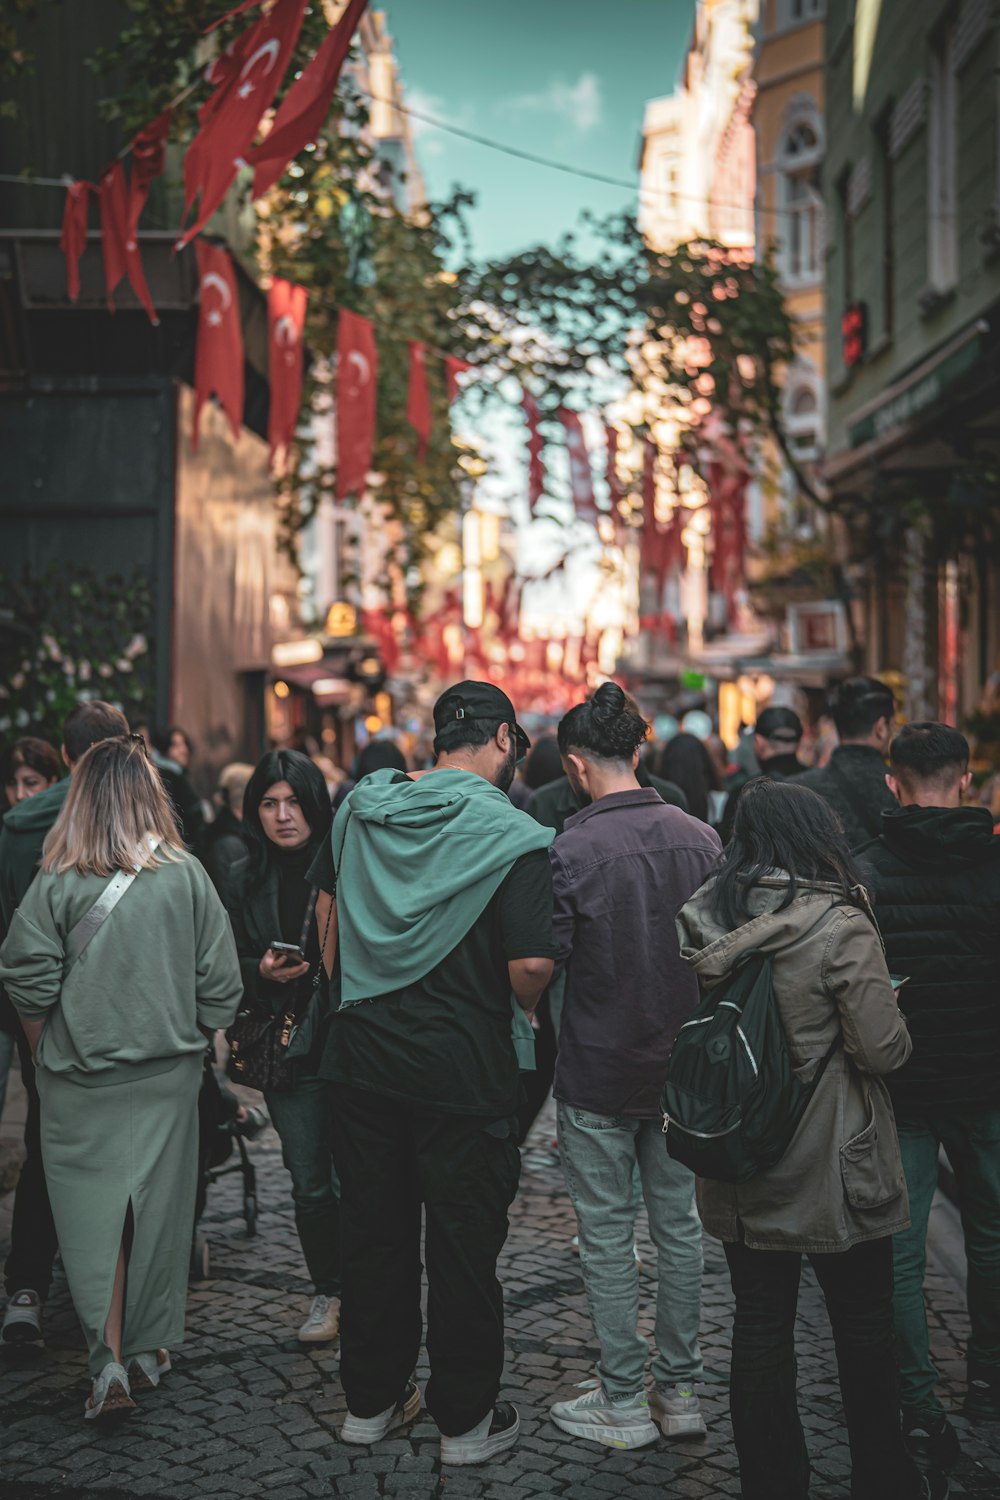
<point>161,962</point>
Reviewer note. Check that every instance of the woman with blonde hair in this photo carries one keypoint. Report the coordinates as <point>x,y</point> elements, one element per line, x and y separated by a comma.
<point>120,962</point>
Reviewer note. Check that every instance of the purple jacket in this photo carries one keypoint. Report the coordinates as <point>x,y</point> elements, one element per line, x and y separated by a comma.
<point>621,871</point>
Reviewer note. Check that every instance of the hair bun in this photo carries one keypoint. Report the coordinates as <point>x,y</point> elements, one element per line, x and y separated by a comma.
<point>608,702</point>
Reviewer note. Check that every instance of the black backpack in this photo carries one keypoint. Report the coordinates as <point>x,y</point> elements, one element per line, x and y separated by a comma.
<point>732,1101</point>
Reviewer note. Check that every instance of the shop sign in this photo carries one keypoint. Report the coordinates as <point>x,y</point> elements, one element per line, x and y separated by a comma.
<point>898,410</point>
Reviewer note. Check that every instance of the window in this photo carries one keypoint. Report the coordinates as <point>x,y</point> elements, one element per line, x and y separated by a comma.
<point>794,12</point>
<point>799,158</point>
<point>802,417</point>
<point>887,185</point>
<point>942,166</point>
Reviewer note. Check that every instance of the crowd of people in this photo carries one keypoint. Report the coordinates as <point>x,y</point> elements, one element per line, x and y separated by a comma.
<point>405,963</point>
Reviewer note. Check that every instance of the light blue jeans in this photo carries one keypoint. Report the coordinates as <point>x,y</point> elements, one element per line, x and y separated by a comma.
<point>600,1154</point>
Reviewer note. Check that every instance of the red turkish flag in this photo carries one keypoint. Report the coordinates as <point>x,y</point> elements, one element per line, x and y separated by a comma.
<point>249,75</point>
<point>611,472</point>
<point>286,317</point>
<point>218,362</point>
<point>536,469</point>
<point>121,249</point>
<point>357,390</point>
<point>580,477</point>
<point>305,107</point>
<point>73,240</point>
<point>453,368</point>
<point>148,154</point>
<point>418,407</point>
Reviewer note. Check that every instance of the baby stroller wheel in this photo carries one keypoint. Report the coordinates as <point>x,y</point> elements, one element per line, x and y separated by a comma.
<point>250,1213</point>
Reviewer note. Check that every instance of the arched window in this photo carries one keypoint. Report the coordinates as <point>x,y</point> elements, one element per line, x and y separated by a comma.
<point>799,156</point>
<point>801,411</point>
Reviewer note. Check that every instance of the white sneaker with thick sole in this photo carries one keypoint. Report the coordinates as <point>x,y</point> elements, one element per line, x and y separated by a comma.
<point>22,1321</point>
<point>145,1371</point>
<point>497,1431</point>
<point>110,1394</point>
<point>678,1410</point>
<point>622,1422</point>
<point>323,1322</point>
<point>365,1430</point>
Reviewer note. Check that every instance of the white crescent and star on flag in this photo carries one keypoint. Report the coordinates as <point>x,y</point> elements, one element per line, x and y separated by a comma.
<point>213,281</point>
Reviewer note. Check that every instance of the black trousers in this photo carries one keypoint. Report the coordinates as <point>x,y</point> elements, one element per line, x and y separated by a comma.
<point>33,1242</point>
<point>857,1285</point>
<point>393,1161</point>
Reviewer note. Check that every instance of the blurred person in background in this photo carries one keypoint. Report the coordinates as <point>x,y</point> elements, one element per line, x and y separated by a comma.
<point>30,766</point>
<point>119,1043</point>
<point>853,780</point>
<point>686,762</point>
<point>224,841</point>
<point>28,1269</point>
<point>777,736</point>
<point>378,755</point>
<point>286,819</point>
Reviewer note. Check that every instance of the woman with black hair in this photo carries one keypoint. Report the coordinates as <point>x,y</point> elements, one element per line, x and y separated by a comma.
<point>788,887</point>
<point>685,761</point>
<point>286,815</point>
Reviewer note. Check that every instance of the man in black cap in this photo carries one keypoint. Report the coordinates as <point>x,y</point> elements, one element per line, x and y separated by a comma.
<point>776,738</point>
<point>441,893</point>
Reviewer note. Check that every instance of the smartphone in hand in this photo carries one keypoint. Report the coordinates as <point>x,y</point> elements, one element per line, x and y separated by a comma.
<point>288,950</point>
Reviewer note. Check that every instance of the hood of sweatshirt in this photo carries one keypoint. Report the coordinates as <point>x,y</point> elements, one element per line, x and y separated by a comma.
<point>36,815</point>
<point>942,837</point>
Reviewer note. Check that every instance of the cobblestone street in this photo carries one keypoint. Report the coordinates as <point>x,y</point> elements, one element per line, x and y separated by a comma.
<point>247,1411</point>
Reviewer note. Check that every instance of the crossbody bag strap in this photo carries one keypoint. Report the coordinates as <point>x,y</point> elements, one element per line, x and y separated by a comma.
<point>98,914</point>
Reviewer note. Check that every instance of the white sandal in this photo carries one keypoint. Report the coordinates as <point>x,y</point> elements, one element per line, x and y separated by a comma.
<point>110,1393</point>
<point>147,1370</point>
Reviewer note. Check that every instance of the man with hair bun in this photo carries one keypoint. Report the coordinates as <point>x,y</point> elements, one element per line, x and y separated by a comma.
<point>621,870</point>
<point>936,874</point>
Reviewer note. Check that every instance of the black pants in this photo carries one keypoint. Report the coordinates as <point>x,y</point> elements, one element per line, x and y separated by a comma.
<point>857,1285</point>
<point>33,1242</point>
<point>391,1159</point>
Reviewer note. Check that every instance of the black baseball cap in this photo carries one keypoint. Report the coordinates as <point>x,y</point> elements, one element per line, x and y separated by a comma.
<point>782,725</point>
<point>479,700</point>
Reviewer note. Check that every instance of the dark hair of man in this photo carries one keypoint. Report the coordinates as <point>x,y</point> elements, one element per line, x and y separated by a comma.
<point>37,754</point>
<point>781,827</point>
<point>466,734</point>
<point>603,728</point>
<point>305,780</point>
<point>927,751</point>
<point>857,705</point>
<point>686,762</point>
<point>544,763</point>
<point>380,755</point>
<point>89,723</point>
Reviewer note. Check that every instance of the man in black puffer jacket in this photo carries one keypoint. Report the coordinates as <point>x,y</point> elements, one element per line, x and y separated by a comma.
<point>936,873</point>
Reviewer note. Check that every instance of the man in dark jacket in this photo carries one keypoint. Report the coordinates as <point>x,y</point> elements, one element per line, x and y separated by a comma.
<point>776,738</point>
<point>33,1245</point>
<point>937,882</point>
<point>853,782</point>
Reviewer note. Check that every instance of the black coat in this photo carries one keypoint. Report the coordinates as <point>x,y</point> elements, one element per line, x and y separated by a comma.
<point>853,782</point>
<point>936,874</point>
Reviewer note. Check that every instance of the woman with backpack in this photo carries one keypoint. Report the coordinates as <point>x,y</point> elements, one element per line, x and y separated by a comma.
<point>120,962</point>
<point>788,887</point>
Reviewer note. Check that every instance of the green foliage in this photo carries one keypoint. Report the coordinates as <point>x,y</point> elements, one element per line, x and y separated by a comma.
<point>68,635</point>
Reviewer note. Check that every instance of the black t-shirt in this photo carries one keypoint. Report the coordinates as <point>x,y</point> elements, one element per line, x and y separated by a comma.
<point>445,1042</point>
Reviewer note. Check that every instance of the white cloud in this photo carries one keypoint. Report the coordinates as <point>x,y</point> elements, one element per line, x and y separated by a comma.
<point>431,141</point>
<point>578,103</point>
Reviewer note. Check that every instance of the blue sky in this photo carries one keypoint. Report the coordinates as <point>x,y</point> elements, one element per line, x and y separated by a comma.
<point>563,78</point>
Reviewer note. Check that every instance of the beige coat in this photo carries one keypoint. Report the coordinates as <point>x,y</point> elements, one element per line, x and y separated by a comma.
<point>841,1180</point>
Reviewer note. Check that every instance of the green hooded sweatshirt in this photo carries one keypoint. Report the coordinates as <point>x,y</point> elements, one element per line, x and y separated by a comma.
<point>24,830</point>
<point>417,864</point>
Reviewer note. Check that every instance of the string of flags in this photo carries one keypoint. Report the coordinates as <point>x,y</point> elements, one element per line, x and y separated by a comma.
<point>245,79</point>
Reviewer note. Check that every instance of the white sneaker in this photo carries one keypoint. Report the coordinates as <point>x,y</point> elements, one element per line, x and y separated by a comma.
<point>494,1434</point>
<point>22,1322</point>
<point>110,1394</point>
<point>617,1422</point>
<point>145,1371</point>
<point>323,1322</point>
<point>367,1430</point>
<point>678,1410</point>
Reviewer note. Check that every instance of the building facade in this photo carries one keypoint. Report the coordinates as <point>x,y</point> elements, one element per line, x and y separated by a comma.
<point>912,186</point>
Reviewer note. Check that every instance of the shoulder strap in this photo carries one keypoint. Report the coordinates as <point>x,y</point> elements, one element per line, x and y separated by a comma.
<point>98,914</point>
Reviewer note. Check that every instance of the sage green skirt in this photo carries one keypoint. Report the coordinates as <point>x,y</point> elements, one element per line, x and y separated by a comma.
<point>133,1143</point>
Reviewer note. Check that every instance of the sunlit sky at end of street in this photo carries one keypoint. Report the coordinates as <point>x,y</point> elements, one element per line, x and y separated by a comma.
<point>566,79</point>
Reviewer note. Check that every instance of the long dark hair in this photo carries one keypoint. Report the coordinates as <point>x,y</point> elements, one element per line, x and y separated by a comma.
<point>781,827</point>
<point>305,780</point>
<point>686,762</point>
<point>544,763</point>
<point>606,727</point>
